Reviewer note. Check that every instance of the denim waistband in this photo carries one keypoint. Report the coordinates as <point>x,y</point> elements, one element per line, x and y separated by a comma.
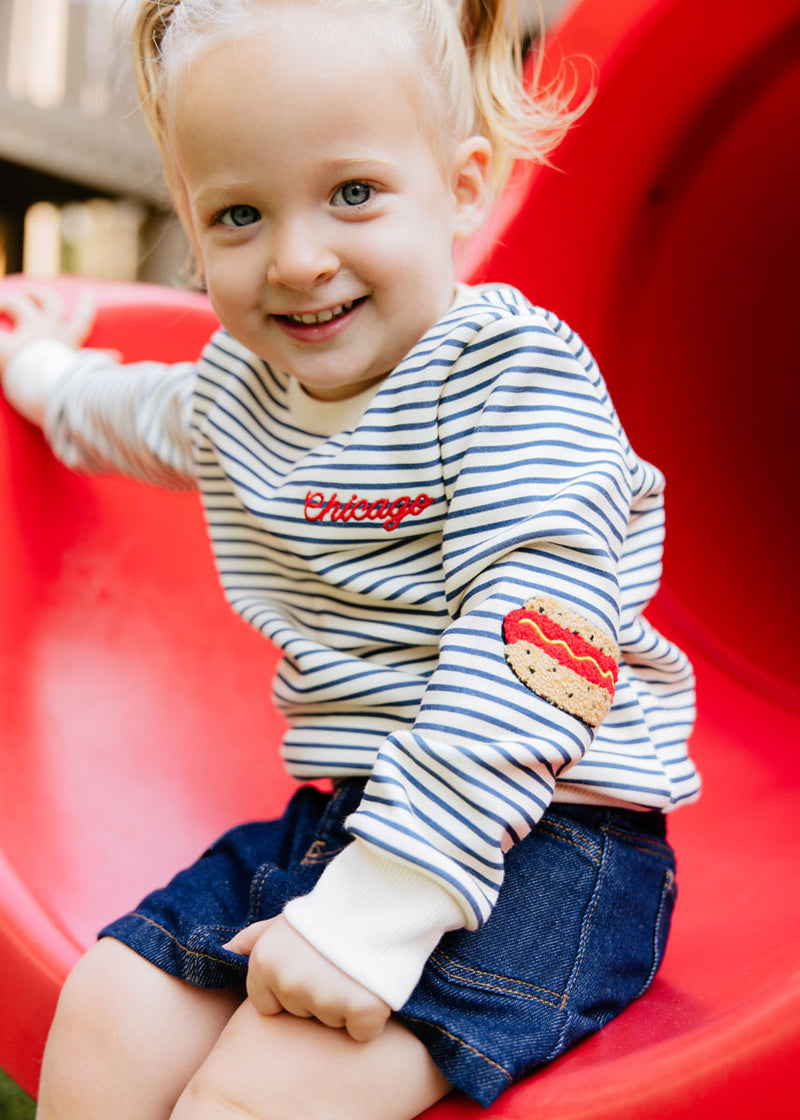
<point>348,793</point>
<point>648,821</point>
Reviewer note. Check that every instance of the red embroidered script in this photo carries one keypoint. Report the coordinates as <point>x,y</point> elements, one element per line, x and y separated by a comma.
<point>390,511</point>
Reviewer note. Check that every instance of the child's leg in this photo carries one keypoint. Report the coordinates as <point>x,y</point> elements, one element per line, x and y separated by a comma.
<point>126,1038</point>
<point>283,1068</point>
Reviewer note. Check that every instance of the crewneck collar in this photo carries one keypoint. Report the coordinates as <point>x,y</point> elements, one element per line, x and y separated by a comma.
<point>326,418</point>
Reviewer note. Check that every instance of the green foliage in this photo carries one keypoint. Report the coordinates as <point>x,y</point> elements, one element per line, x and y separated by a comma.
<point>14,1104</point>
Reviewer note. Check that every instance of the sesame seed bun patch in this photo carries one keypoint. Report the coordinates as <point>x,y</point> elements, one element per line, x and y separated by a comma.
<point>563,658</point>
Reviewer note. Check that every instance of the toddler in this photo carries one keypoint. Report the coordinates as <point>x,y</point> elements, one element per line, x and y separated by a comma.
<point>420,491</point>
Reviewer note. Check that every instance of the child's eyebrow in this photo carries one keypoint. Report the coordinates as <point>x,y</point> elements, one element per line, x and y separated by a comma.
<point>220,194</point>
<point>352,163</point>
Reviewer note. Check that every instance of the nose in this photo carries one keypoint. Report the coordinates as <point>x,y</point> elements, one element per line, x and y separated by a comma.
<point>300,258</point>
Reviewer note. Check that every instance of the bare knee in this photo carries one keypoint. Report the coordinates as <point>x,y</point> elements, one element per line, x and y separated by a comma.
<point>282,1068</point>
<point>82,1039</point>
<point>204,1098</point>
<point>223,1089</point>
<point>213,1094</point>
<point>88,1003</point>
<point>126,1038</point>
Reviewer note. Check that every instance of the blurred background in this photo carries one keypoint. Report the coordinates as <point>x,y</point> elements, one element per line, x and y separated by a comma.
<point>80,185</point>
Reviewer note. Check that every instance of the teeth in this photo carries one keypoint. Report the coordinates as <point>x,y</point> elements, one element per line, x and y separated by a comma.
<point>310,319</point>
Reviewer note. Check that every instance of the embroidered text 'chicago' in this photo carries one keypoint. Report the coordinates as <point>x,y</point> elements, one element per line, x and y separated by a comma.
<point>390,512</point>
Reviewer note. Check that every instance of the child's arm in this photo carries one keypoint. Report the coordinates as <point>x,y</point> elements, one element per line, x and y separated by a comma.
<point>38,316</point>
<point>100,416</point>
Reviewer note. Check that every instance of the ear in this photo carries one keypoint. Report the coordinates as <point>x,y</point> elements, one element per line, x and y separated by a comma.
<point>472,194</point>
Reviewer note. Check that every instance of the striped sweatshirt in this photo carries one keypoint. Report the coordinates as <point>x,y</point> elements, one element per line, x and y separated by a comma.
<point>426,556</point>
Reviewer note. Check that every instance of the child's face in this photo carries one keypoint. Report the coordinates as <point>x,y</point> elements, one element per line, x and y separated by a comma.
<point>323,217</point>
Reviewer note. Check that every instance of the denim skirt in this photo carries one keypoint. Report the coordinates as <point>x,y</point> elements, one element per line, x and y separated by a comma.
<point>577,934</point>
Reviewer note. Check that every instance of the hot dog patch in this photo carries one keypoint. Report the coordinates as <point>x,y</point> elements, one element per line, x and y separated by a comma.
<point>563,658</point>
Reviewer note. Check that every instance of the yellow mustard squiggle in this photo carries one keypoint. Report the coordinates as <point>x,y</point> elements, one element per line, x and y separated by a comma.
<point>560,642</point>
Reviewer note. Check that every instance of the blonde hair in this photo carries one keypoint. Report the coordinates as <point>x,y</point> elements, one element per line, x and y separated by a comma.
<point>472,53</point>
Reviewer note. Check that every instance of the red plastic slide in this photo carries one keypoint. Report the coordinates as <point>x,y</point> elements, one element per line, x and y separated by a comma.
<point>668,235</point>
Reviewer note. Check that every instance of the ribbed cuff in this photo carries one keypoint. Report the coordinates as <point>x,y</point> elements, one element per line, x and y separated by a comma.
<point>376,918</point>
<point>33,373</point>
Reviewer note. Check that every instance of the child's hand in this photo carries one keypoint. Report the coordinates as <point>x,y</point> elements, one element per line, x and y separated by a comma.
<point>286,973</point>
<point>39,312</point>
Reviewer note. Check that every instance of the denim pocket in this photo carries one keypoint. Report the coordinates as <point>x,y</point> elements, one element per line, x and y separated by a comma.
<point>577,934</point>
<point>662,927</point>
<point>528,945</point>
<point>626,929</point>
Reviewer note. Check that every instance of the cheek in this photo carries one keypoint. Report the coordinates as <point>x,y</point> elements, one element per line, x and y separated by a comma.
<point>416,258</point>
<point>425,270</point>
<point>231,280</point>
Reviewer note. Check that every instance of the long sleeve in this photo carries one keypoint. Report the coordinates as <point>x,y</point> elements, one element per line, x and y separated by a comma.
<point>102,417</point>
<point>33,373</point>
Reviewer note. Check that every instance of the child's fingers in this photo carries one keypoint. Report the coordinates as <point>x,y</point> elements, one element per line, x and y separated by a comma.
<point>39,306</point>
<point>20,313</point>
<point>77,322</point>
<point>365,1023</point>
<point>48,299</point>
<point>15,307</point>
<point>82,317</point>
<point>286,973</point>
<point>33,302</point>
<point>263,999</point>
<point>245,939</point>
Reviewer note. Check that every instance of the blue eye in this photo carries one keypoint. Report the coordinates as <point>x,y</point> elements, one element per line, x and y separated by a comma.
<point>352,194</point>
<point>239,216</point>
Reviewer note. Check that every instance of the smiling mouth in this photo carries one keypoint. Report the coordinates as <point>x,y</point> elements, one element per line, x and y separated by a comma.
<point>315,318</point>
